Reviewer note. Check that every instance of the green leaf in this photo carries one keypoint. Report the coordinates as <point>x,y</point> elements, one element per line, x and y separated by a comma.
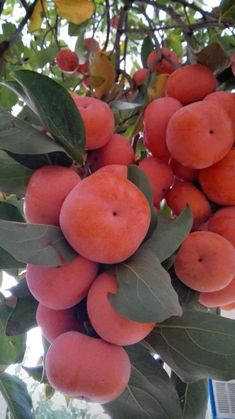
<point>56,109</point>
<point>35,243</point>
<point>197,345</point>
<point>20,137</point>
<point>227,10</point>
<point>35,372</point>
<point>9,211</point>
<point>169,234</point>
<point>7,97</point>
<point>146,47</point>
<point>43,57</point>
<point>150,393</point>
<point>140,179</point>
<point>145,293</point>
<point>13,176</point>
<point>23,317</point>
<point>7,261</point>
<point>19,91</point>
<point>193,397</point>
<point>17,397</point>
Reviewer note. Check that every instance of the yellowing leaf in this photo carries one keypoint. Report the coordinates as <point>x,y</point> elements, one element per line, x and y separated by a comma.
<point>156,87</point>
<point>76,11</point>
<point>36,18</point>
<point>102,73</point>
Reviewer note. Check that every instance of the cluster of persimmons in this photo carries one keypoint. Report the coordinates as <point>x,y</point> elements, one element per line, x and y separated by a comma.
<point>190,160</point>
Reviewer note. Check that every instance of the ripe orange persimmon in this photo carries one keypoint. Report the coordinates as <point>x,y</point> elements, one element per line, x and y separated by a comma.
<point>162,61</point>
<point>156,117</point>
<point>185,193</point>
<point>191,83</point>
<point>219,298</point>
<point>111,326</point>
<point>105,219</point>
<point>117,150</point>
<point>228,307</point>
<point>115,169</point>
<point>160,176</point>
<point>97,118</point>
<point>227,101</point>
<point>199,135</point>
<point>205,261</point>
<point>67,60</point>
<point>62,287</point>
<point>182,172</point>
<point>55,322</point>
<point>87,368</point>
<point>46,191</point>
<point>140,75</point>
<point>218,181</point>
<point>223,222</point>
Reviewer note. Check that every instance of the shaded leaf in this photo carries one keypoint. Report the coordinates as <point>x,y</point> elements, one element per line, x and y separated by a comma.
<point>169,234</point>
<point>15,87</point>
<point>214,57</point>
<point>20,137</point>
<point>102,73</point>
<point>35,372</point>
<point>35,243</point>
<point>9,211</point>
<point>197,345</point>
<point>17,397</point>
<point>193,397</point>
<point>36,18</point>
<point>56,109</point>
<point>140,179</point>
<point>7,261</point>
<point>21,289</point>
<point>13,176</point>
<point>227,10</point>
<point>76,11</point>
<point>146,47</point>
<point>23,316</point>
<point>150,393</point>
<point>145,293</point>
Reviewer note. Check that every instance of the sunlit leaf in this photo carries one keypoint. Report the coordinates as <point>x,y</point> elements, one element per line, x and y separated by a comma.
<point>102,73</point>
<point>76,11</point>
<point>37,16</point>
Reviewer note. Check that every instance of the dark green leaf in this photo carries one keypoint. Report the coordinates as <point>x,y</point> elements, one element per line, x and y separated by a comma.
<point>140,179</point>
<point>19,91</point>
<point>35,243</point>
<point>146,48</point>
<point>145,293</point>
<point>56,109</point>
<point>197,345</point>
<point>20,137</point>
<point>7,261</point>
<point>17,397</point>
<point>35,372</point>
<point>150,393</point>
<point>13,176</point>
<point>227,10</point>
<point>9,211</point>
<point>21,289</point>
<point>193,397</point>
<point>23,317</point>
<point>169,234</point>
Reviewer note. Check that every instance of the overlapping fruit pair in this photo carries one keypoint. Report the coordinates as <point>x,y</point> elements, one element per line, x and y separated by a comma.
<point>189,136</point>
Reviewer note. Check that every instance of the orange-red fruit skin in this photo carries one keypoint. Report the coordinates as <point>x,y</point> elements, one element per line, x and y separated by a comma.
<point>118,150</point>
<point>111,326</point>
<point>223,222</point>
<point>182,172</point>
<point>227,101</point>
<point>81,366</point>
<point>205,261</point>
<point>67,60</point>
<point>62,287</point>
<point>218,181</point>
<point>55,322</point>
<point>191,83</point>
<point>160,64</point>
<point>160,176</point>
<point>156,117</point>
<point>199,135</point>
<point>140,75</point>
<point>46,191</point>
<point>106,218</point>
<point>98,120</point>
<point>185,193</point>
<point>219,298</point>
